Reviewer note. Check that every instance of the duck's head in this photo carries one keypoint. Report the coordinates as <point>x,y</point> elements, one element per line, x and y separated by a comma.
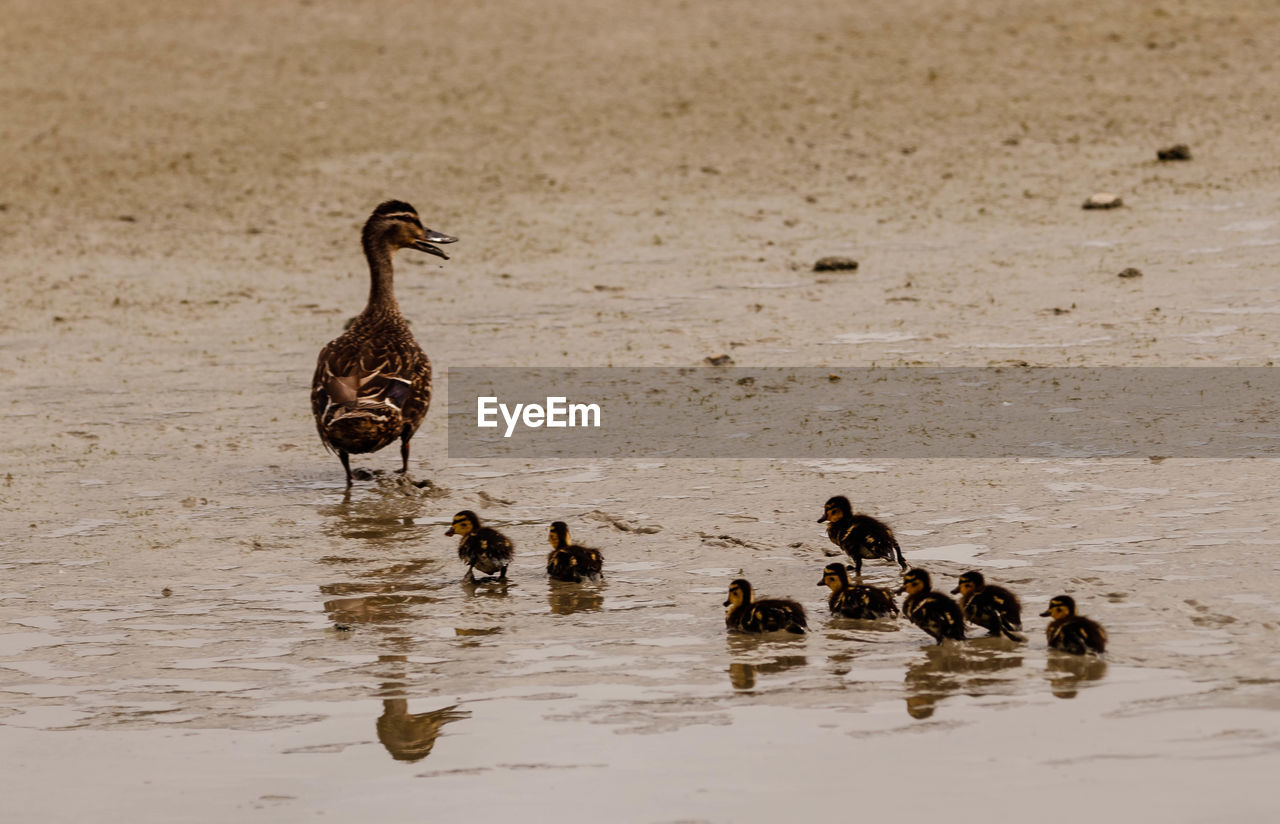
<point>835,509</point>
<point>835,576</point>
<point>558,534</point>
<point>1060,606</point>
<point>969,583</point>
<point>916,580</point>
<point>739,593</point>
<point>396,224</point>
<point>464,523</point>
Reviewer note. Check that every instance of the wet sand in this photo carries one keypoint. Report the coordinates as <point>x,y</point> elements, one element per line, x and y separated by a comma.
<point>632,186</point>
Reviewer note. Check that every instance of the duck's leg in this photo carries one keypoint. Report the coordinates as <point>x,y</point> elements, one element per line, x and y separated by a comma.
<point>471,574</point>
<point>346,464</point>
<point>404,452</point>
<point>502,576</point>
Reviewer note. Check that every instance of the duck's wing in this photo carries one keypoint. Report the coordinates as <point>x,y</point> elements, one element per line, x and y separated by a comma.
<point>361,373</point>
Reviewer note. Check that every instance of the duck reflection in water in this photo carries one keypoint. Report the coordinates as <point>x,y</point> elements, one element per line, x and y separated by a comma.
<point>411,736</point>
<point>408,736</point>
<point>566,599</point>
<point>769,654</point>
<point>1066,671</point>
<point>947,670</point>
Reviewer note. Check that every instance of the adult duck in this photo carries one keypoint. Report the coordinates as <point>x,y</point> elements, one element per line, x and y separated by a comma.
<point>372,384</point>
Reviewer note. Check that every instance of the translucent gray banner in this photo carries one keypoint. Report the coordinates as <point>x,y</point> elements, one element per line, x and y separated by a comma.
<point>892,412</point>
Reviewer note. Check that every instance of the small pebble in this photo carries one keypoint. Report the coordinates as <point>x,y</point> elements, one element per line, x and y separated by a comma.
<point>1130,273</point>
<point>1104,200</point>
<point>166,592</point>
<point>1180,151</point>
<point>835,264</point>
<point>719,360</point>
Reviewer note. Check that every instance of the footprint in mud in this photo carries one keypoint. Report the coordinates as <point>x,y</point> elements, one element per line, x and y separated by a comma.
<point>1205,618</point>
<point>621,524</point>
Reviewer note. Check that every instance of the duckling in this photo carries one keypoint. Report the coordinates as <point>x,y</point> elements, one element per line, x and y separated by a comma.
<point>933,612</point>
<point>372,384</point>
<point>769,615</point>
<point>860,536</point>
<point>481,547</point>
<point>568,561</point>
<point>1070,632</point>
<point>994,608</point>
<point>855,600</point>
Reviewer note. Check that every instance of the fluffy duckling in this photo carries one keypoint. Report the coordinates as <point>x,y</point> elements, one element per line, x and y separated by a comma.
<point>933,612</point>
<point>994,608</point>
<point>372,384</point>
<point>568,561</point>
<point>1070,632</point>
<point>860,536</point>
<point>855,600</point>
<point>481,547</point>
<point>768,615</point>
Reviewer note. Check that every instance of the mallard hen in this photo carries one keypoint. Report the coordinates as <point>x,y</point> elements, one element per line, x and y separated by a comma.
<point>860,601</point>
<point>568,561</point>
<point>767,615</point>
<point>860,536</point>
<point>373,383</point>
<point>933,612</point>
<point>481,547</point>
<point>1070,632</point>
<point>994,608</point>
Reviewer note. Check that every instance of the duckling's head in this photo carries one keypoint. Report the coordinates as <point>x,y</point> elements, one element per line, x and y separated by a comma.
<point>396,224</point>
<point>739,593</point>
<point>835,509</point>
<point>1060,606</point>
<point>969,583</point>
<point>464,523</point>
<point>916,580</point>
<point>558,534</point>
<point>835,576</point>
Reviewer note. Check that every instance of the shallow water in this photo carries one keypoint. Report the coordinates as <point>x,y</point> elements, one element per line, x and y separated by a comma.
<point>186,645</point>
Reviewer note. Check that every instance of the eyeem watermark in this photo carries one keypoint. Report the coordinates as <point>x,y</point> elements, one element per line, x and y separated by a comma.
<point>823,413</point>
<point>556,413</point>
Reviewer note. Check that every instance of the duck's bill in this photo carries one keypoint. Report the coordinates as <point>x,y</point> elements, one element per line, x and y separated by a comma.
<point>726,603</point>
<point>955,591</point>
<point>1044,614</point>
<point>823,519</point>
<point>449,533</point>
<point>425,245</point>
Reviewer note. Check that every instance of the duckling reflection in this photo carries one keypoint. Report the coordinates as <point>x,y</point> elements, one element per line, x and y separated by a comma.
<point>1066,671</point>
<point>742,674</point>
<point>566,599</point>
<point>388,595</point>
<point>948,670</point>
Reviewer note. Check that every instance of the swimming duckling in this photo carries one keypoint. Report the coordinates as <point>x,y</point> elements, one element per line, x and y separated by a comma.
<point>1070,632</point>
<point>994,608</point>
<point>933,612</point>
<point>855,600</point>
<point>860,536</point>
<point>769,615</point>
<point>481,547</point>
<point>372,384</point>
<point>568,561</point>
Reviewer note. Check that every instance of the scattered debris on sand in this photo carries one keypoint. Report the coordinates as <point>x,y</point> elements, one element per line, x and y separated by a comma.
<point>835,264</point>
<point>1180,151</point>
<point>1130,272</point>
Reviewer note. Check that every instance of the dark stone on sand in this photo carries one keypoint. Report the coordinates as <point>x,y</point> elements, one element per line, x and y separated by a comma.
<point>835,264</point>
<point>1130,273</point>
<point>1181,151</point>
<point>719,360</point>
